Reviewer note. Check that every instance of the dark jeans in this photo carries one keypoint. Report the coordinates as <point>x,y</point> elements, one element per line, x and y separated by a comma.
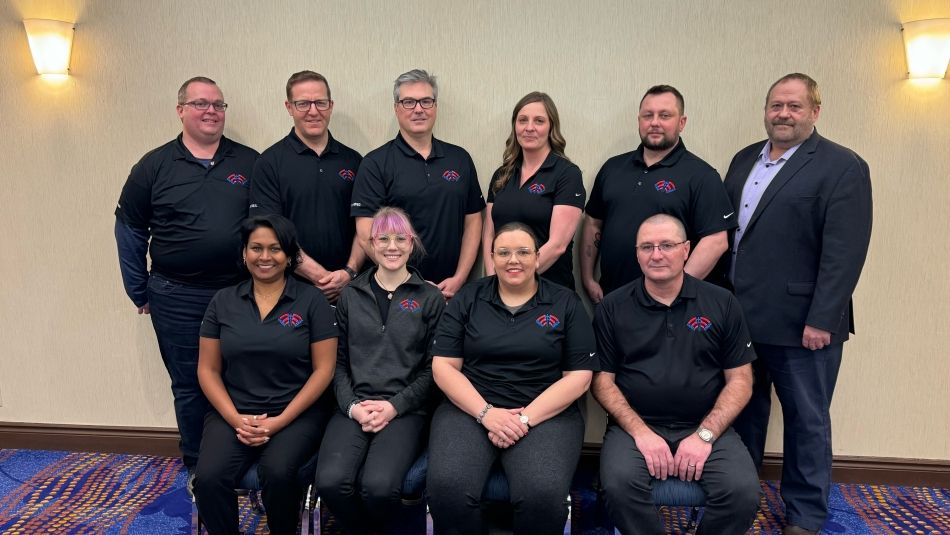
<point>224,460</point>
<point>360,474</point>
<point>729,480</point>
<point>176,312</point>
<point>804,384</point>
<point>539,469</point>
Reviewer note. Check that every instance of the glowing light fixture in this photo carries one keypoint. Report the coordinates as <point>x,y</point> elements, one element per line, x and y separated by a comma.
<point>927,43</point>
<point>51,42</point>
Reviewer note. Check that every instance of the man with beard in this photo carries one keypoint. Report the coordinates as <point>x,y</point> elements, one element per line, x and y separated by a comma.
<point>660,176</point>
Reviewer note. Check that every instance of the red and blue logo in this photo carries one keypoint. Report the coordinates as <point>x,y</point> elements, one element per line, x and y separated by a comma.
<point>451,176</point>
<point>547,320</point>
<point>236,179</point>
<point>409,304</point>
<point>290,319</point>
<point>699,323</point>
<point>666,186</point>
<point>537,189</point>
<point>347,174</point>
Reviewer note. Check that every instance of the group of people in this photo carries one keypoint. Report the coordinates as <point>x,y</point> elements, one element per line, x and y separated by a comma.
<point>489,372</point>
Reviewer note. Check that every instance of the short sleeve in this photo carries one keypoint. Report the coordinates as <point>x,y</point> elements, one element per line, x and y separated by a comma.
<point>322,318</point>
<point>596,207</point>
<point>369,189</point>
<point>579,349</point>
<point>449,340</point>
<point>610,357</point>
<point>265,189</point>
<point>569,189</point>
<point>210,327</point>
<point>475,202</point>
<point>712,211</point>
<point>736,343</point>
<point>135,202</point>
<point>491,185</point>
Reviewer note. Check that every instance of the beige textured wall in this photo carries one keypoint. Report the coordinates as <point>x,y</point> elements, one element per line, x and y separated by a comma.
<point>74,351</point>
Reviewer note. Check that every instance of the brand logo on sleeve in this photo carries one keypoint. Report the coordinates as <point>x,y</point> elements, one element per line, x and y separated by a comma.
<point>665,186</point>
<point>236,179</point>
<point>290,319</point>
<point>699,323</point>
<point>537,189</point>
<point>409,305</point>
<point>451,176</point>
<point>547,320</point>
<point>347,174</point>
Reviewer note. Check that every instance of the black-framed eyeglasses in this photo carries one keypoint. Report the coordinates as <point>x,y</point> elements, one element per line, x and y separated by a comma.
<point>410,103</point>
<point>203,105</point>
<point>304,105</point>
<point>665,247</point>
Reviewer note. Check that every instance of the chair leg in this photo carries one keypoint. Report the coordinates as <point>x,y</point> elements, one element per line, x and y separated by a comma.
<point>693,516</point>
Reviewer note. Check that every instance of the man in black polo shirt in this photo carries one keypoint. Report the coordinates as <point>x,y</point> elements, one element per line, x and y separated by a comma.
<point>675,357</point>
<point>183,203</point>
<point>661,176</point>
<point>433,181</point>
<point>308,178</point>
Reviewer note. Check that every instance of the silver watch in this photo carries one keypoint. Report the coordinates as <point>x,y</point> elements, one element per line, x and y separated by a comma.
<point>524,419</point>
<point>705,434</point>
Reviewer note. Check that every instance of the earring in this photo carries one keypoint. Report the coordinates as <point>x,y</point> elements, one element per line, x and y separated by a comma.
<point>244,260</point>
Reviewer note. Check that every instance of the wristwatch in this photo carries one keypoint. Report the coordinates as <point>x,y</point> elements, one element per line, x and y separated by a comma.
<point>350,271</point>
<point>705,434</point>
<point>524,419</point>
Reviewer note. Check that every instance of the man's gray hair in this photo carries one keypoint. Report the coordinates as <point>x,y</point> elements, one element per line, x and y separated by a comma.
<point>413,77</point>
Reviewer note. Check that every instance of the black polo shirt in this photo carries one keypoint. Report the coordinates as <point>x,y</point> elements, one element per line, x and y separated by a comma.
<point>558,181</point>
<point>511,358</point>
<point>626,192</point>
<point>313,191</point>
<point>669,360</point>
<point>265,363</point>
<point>437,193</point>
<point>193,212</point>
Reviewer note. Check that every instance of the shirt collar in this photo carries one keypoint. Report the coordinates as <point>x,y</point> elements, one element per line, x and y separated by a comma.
<point>668,161</point>
<point>639,292</point>
<point>437,151</point>
<point>361,282</point>
<point>333,146</point>
<point>540,297</point>
<point>246,289</point>
<point>767,148</point>
<point>225,148</point>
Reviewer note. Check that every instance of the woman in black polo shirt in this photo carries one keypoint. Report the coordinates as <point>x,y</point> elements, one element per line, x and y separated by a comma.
<point>383,379</point>
<point>537,185</point>
<point>266,356</point>
<point>512,354</point>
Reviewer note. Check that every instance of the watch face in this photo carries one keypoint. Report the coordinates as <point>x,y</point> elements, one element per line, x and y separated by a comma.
<point>706,435</point>
<point>524,419</point>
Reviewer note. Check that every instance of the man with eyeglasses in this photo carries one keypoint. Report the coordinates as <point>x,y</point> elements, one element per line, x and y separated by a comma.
<point>308,177</point>
<point>660,176</point>
<point>433,181</point>
<point>804,226</point>
<point>183,203</point>
<point>675,358</point>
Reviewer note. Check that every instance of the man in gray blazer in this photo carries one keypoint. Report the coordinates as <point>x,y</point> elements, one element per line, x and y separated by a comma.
<point>804,207</point>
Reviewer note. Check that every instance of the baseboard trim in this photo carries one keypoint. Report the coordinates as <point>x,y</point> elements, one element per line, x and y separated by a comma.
<point>163,441</point>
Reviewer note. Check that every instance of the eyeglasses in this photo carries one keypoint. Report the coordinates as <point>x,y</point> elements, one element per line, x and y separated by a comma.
<point>383,240</point>
<point>523,254</point>
<point>203,105</point>
<point>304,105</point>
<point>410,103</point>
<point>665,247</point>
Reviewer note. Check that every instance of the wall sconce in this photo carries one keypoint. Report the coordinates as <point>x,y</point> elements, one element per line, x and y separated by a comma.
<point>51,42</point>
<point>927,43</point>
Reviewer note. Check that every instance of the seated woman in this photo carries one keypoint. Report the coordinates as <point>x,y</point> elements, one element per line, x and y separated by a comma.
<point>387,318</point>
<point>266,354</point>
<point>512,353</point>
<point>537,185</point>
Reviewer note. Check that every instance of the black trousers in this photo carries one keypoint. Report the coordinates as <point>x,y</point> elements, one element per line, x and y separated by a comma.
<point>360,474</point>
<point>804,384</point>
<point>539,469</point>
<point>729,479</point>
<point>223,460</point>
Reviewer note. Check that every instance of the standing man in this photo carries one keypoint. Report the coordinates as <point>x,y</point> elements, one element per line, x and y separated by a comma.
<point>184,203</point>
<point>308,178</point>
<point>675,359</point>
<point>661,176</point>
<point>804,226</point>
<point>433,181</point>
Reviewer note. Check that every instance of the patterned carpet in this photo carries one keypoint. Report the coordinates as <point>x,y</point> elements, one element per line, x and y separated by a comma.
<point>60,492</point>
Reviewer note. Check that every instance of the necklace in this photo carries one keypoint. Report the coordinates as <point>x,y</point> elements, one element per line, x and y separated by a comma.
<point>262,295</point>
<point>389,294</point>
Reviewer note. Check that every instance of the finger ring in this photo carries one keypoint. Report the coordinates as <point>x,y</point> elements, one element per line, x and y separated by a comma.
<point>690,466</point>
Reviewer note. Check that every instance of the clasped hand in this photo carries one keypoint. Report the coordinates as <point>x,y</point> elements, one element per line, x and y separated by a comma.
<point>373,414</point>
<point>256,429</point>
<point>504,427</point>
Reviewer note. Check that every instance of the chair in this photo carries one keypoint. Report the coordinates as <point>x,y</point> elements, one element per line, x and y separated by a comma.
<point>673,492</point>
<point>250,486</point>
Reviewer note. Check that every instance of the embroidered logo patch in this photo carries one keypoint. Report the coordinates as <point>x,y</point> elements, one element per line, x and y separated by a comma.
<point>666,186</point>
<point>290,319</point>
<point>699,323</point>
<point>409,305</point>
<point>347,174</point>
<point>236,179</point>
<point>537,189</point>
<point>547,320</point>
<point>451,176</point>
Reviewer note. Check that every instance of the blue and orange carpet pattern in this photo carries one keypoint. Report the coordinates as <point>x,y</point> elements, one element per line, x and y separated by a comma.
<point>61,492</point>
